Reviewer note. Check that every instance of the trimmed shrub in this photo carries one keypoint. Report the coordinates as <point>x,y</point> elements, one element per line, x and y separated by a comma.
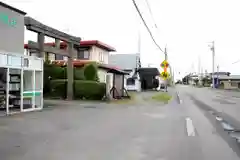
<point>196,81</point>
<point>79,74</point>
<point>58,88</point>
<point>52,72</point>
<point>91,72</point>
<point>89,90</point>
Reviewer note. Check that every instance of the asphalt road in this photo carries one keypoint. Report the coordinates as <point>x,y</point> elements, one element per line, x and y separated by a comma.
<point>145,130</point>
<point>224,103</point>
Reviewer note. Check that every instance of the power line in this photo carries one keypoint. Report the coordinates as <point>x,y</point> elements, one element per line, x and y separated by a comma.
<point>150,33</point>
<point>150,10</point>
<point>236,61</point>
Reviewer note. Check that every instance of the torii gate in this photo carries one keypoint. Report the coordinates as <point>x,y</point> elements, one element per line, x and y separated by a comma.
<point>44,30</point>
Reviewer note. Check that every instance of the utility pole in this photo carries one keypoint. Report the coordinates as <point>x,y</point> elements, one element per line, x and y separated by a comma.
<point>217,74</point>
<point>192,69</point>
<point>165,53</point>
<point>213,62</point>
<point>199,65</point>
<point>139,50</point>
<point>173,82</point>
<point>138,58</point>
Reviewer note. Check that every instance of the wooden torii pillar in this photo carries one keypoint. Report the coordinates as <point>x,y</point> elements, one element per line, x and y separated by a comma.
<point>44,30</point>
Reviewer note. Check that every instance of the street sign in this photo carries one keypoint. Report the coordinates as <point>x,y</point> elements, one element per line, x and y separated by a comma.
<point>165,75</point>
<point>164,64</point>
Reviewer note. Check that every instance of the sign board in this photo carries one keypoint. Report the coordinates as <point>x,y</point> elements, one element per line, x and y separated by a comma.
<point>7,20</point>
<point>164,64</point>
<point>11,31</point>
<point>165,75</point>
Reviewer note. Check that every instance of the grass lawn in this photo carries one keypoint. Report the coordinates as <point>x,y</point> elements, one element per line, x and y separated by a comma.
<point>162,97</point>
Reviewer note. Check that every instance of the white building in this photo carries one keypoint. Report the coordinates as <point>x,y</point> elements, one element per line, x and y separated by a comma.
<point>89,50</point>
<point>130,63</point>
<point>21,77</point>
<point>93,50</point>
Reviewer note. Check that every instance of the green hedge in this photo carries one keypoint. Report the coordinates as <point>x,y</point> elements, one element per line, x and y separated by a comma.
<point>82,89</point>
<point>55,84</point>
<point>52,72</point>
<point>58,89</point>
<point>91,72</point>
<point>89,90</point>
<point>79,73</point>
<point>56,72</point>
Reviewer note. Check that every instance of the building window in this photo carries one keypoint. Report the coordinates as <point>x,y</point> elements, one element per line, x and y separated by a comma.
<point>101,57</point>
<point>25,62</point>
<point>79,54</point>
<point>26,52</point>
<point>45,57</point>
<point>65,58</point>
<point>35,54</point>
<point>51,57</point>
<point>83,54</point>
<point>86,55</point>
<point>130,81</point>
<point>58,57</point>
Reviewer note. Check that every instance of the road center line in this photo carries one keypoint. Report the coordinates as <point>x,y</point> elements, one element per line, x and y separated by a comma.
<point>190,128</point>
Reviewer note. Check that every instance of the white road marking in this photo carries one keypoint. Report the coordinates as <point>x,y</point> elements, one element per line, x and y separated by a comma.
<point>190,128</point>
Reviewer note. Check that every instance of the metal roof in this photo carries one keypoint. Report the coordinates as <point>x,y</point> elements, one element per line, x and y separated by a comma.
<point>148,71</point>
<point>234,77</point>
<point>124,61</point>
<point>98,44</point>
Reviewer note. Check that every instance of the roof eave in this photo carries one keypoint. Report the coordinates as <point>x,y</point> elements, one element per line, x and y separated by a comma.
<point>98,44</point>
<point>13,8</point>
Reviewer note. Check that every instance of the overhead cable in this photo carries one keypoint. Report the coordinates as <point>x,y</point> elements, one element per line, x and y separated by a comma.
<point>150,10</point>
<point>145,24</point>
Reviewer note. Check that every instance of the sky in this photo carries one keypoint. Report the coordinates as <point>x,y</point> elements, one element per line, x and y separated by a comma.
<point>186,27</point>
